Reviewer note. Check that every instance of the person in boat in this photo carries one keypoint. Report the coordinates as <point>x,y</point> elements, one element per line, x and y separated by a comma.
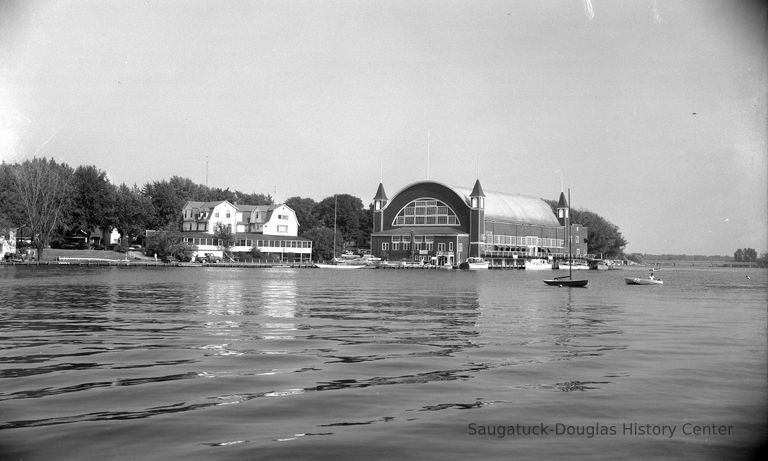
<point>650,275</point>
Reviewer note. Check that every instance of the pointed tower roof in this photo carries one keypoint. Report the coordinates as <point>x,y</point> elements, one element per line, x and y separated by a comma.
<point>477,191</point>
<point>562,202</point>
<point>380,194</point>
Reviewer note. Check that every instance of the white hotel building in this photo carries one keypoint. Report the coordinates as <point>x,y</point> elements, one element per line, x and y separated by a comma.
<point>272,228</point>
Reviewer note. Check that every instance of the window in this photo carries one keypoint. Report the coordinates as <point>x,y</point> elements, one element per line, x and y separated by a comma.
<point>216,214</point>
<point>228,215</point>
<point>395,246</point>
<point>461,247</point>
<point>384,246</point>
<point>441,247</point>
<point>426,212</point>
<point>282,216</point>
<point>282,229</point>
<point>450,246</point>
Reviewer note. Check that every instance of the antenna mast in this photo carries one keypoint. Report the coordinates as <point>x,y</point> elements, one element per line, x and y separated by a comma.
<point>428,133</point>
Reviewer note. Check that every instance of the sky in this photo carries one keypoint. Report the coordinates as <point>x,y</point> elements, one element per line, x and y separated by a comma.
<point>652,112</point>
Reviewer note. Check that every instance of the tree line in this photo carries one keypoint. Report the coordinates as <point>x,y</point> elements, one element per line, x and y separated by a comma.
<point>47,200</point>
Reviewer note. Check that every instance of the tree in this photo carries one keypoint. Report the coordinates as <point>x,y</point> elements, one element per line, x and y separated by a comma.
<point>167,245</point>
<point>43,188</point>
<point>167,202</point>
<point>322,243</point>
<point>603,237</point>
<point>747,255</point>
<point>11,211</point>
<point>255,252</point>
<point>93,201</point>
<point>133,210</point>
<point>306,213</point>
<point>226,239</point>
<point>762,261</point>
<point>350,217</point>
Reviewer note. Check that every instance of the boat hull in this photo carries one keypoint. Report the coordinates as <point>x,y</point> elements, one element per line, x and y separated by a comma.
<point>338,266</point>
<point>641,281</point>
<point>567,283</point>
<point>474,264</point>
<point>538,265</point>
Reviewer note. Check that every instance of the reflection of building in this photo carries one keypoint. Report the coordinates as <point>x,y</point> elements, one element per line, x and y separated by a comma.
<point>435,222</point>
<point>273,229</point>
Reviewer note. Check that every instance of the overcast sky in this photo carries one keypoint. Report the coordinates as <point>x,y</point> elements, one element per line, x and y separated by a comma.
<point>653,112</point>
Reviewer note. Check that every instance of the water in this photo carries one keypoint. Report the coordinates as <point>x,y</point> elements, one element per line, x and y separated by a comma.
<point>232,364</point>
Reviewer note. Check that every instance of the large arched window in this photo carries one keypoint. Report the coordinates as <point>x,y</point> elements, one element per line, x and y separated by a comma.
<point>426,212</point>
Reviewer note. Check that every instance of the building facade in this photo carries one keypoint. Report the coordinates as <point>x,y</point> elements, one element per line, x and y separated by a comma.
<point>273,229</point>
<point>442,224</point>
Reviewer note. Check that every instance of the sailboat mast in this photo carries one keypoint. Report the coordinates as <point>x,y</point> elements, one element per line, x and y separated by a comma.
<point>568,232</point>
<point>335,205</point>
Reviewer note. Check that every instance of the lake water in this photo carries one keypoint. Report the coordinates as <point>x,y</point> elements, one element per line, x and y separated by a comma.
<point>234,364</point>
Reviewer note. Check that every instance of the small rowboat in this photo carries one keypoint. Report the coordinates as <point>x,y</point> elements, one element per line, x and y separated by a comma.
<point>642,281</point>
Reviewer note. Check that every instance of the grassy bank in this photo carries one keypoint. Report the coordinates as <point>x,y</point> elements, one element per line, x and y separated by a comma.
<point>53,254</point>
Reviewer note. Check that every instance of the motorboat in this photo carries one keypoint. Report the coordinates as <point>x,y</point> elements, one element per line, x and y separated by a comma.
<point>474,264</point>
<point>643,281</point>
<point>574,266</point>
<point>538,264</point>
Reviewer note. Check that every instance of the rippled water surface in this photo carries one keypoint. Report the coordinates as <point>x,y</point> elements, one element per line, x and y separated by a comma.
<point>216,363</point>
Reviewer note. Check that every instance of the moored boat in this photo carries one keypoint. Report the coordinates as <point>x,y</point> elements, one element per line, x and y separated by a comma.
<point>339,266</point>
<point>564,213</point>
<point>574,266</point>
<point>474,264</point>
<point>566,281</point>
<point>538,264</point>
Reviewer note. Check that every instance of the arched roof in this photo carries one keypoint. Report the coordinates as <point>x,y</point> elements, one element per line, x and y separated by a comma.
<point>500,206</point>
<point>504,207</point>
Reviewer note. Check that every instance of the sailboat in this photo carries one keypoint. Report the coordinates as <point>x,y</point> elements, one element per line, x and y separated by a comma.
<point>337,264</point>
<point>564,211</point>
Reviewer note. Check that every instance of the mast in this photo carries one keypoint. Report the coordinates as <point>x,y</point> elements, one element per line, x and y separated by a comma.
<point>335,205</point>
<point>568,233</point>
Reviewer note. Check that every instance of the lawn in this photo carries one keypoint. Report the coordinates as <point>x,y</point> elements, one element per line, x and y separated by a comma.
<point>52,254</point>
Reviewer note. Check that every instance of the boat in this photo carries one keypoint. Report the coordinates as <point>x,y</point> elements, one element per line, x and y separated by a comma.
<point>339,266</point>
<point>642,281</point>
<point>538,264</point>
<point>575,266</point>
<point>566,281</point>
<point>564,211</point>
<point>474,264</point>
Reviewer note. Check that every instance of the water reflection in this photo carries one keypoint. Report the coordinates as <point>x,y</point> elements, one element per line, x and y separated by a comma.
<point>278,296</point>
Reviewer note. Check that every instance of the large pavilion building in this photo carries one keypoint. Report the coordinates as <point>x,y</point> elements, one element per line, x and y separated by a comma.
<point>442,224</point>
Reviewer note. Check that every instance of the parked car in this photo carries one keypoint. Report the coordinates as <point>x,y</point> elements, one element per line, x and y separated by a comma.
<point>74,246</point>
<point>209,258</point>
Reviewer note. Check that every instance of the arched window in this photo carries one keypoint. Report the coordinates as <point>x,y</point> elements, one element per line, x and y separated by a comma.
<point>426,212</point>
